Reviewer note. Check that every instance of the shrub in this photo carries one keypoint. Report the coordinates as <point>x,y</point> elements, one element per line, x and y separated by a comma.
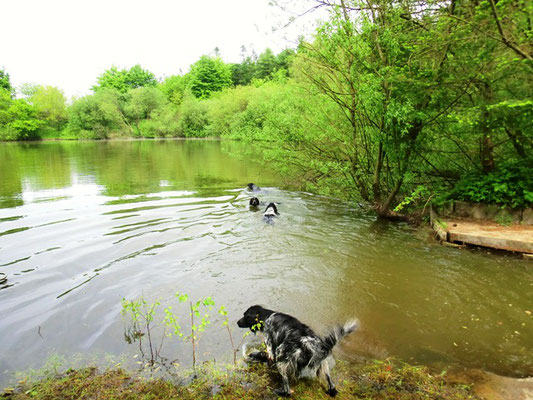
<point>510,185</point>
<point>193,118</point>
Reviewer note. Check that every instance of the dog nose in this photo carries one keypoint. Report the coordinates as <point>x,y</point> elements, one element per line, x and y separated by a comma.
<point>240,323</point>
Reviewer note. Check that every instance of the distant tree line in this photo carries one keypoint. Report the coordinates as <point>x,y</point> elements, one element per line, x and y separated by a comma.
<point>131,102</point>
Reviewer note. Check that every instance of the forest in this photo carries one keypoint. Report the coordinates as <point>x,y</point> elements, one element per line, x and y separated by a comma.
<point>389,104</point>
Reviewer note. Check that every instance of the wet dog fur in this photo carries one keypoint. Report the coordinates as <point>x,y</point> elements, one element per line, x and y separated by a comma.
<point>253,187</point>
<point>254,202</point>
<point>292,346</point>
<point>271,211</point>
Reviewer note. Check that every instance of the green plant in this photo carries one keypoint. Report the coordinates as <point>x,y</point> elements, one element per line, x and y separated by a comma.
<point>442,224</point>
<point>142,315</point>
<point>504,219</point>
<point>509,185</point>
<point>145,318</point>
<point>196,330</point>
<point>421,192</point>
<point>222,311</point>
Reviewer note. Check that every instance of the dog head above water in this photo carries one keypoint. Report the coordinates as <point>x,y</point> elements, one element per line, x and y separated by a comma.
<point>253,187</point>
<point>271,210</point>
<point>254,318</point>
<point>254,202</point>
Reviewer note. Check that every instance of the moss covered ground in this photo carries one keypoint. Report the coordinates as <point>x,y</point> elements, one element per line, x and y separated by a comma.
<point>378,380</point>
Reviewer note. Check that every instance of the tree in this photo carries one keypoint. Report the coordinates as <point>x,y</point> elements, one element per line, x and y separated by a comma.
<point>141,103</point>
<point>283,60</point>
<point>49,102</point>
<point>5,84</point>
<point>124,80</point>
<point>207,75</point>
<point>387,67</point>
<point>174,87</point>
<point>18,119</point>
<point>243,73</point>
<point>96,116</point>
<point>266,65</point>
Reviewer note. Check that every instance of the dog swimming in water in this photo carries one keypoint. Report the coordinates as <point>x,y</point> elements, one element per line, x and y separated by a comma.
<point>270,212</point>
<point>253,187</point>
<point>254,202</point>
<point>293,347</point>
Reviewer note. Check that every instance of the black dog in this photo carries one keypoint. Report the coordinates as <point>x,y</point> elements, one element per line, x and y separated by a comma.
<point>293,346</point>
<point>254,202</point>
<point>253,187</point>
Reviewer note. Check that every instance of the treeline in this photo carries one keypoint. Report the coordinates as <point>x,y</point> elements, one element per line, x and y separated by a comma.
<point>132,102</point>
<point>394,104</point>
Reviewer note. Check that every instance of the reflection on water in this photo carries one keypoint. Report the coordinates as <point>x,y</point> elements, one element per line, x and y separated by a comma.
<point>83,225</point>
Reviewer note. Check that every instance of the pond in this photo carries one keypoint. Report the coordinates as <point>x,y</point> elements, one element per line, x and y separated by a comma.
<point>85,224</point>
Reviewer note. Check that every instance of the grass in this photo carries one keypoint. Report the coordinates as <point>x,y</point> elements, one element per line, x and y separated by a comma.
<point>379,380</point>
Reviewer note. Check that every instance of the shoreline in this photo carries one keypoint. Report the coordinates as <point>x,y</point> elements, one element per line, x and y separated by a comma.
<point>387,380</point>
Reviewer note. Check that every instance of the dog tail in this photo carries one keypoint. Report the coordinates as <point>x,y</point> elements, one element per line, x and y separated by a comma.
<point>336,335</point>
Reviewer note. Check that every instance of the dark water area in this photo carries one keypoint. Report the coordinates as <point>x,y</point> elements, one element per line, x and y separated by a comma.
<point>85,224</point>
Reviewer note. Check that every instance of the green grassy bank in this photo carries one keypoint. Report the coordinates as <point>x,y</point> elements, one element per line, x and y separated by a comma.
<point>379,380</point>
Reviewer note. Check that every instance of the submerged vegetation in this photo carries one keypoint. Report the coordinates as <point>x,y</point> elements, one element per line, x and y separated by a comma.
<point>390,104</point>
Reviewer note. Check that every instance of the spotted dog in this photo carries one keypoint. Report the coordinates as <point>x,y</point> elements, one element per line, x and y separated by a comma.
<point>293,347</point>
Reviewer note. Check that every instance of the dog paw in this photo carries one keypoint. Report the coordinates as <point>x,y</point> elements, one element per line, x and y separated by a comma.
<point>332,392</point>
<point>281,393</point>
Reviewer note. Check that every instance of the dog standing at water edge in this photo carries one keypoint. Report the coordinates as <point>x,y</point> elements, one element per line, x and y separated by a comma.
<point>293,346</point>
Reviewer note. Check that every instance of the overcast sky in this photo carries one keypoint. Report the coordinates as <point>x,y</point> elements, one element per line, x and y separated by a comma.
<point>68,43</point>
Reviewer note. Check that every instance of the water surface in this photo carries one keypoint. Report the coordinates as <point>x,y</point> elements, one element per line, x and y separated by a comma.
<point>85,224</point>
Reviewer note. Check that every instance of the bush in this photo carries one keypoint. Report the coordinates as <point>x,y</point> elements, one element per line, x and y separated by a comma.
<point>163,122</point>
<point>18,119</point>
<point>225,107</point>
<point>510,186</point>
<point>96,116</point>
<point>193,118</point>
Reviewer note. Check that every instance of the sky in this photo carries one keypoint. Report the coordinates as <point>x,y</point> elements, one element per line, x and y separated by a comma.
<point>69,43</point>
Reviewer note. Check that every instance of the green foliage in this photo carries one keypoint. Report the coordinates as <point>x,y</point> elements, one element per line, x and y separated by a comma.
<point>163,122</point>
<point>96,116</point>
<point>266,65</point>
<point>207,75</point>
<point>125,79</point>
<point>510,185</point>
<point>174,88</point>
<point>141,103</point>
<point>193,118</point>
<point>5,83</point>
<point>50,104</point>
<point>18,118</point>
<point>420,193</point>
<point>144,319</point>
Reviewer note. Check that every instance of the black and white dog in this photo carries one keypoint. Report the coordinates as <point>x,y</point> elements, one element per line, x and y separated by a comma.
<point>254,202</point>
<point>270,212</point>
<point>253,187</point>
<point>293,346</point>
